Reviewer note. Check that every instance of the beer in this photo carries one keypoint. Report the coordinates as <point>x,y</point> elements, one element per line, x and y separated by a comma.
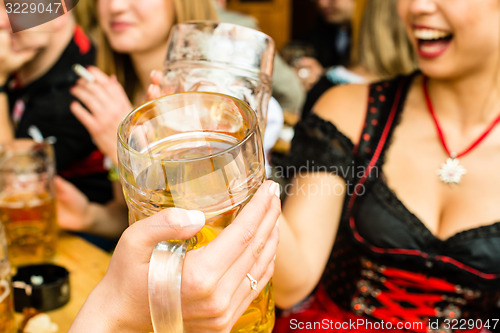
<point>30,225</point>
<point>218,185</point>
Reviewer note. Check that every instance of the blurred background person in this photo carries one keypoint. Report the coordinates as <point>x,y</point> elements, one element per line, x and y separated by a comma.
<point>330,41</point>
<point>132,42</point>
<point>38,94</point>
<point>396,227</point>
<point>39,98</point>
<point>380,50</point>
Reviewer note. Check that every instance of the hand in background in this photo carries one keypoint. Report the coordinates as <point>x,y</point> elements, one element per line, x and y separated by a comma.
<point>309,71</point>
<point>107,104</point>
<point>214,292</point>
<point>154,90</point>
<point>72,206</point>
<point>11,60</point>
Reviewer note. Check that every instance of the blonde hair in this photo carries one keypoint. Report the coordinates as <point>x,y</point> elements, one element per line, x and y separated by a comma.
<point>383,47</point>
<point>113,63</point>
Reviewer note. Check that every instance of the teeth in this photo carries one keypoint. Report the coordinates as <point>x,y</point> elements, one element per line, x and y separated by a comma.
<point>429,34</point>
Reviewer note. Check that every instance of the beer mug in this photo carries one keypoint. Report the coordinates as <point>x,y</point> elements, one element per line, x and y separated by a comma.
<point>7,323</point>
<point>27,200</point>
<point>192,150</point>
<point>221,57</point>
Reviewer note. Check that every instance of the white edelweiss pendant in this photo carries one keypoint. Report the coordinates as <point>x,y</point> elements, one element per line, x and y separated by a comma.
<point>451,171</point>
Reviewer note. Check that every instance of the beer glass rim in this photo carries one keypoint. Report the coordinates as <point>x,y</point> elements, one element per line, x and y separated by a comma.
<point>22,145</point>
<point>253,128</point>
<point>25,147</point>
<point>265,68</point>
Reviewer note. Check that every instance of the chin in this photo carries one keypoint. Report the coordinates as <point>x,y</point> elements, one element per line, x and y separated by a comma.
<point>123,47</point>
<point>439,71</point>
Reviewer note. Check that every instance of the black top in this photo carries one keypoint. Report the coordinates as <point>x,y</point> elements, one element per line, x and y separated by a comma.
<point>45,102</point>
<point>378,232</point>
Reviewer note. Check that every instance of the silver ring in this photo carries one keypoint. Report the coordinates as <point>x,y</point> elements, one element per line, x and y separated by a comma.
<point>253,282</point>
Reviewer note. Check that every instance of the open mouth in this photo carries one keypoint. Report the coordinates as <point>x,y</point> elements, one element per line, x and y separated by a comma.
<point>432,42</point>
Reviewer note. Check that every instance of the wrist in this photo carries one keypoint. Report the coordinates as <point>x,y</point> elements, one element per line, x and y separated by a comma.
<point>95,315</point>
<point>110,304</point>
<point>98,313</point>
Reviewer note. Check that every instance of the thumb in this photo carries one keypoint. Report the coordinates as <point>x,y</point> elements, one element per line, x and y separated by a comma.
<point>168,224</point>
<point>62,186</point>
<point>65,190</point>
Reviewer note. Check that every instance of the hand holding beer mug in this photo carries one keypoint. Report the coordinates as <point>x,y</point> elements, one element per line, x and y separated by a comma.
<point>221,57</point>
<point>27,203</point>
<point>197,151</point>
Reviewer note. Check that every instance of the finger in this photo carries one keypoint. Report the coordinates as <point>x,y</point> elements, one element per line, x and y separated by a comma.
<point>168,224</point>
<point>156,77</point>
<point>205,277</point>
<point>260,213</point>
<point>235,285</point>
<point>116,89</point>
<point>252,262</point>
<point>91,96</point>
<point>61,186</point>
<point>259,267</point>
<point>227,320</point>
<point>99,75</point>
<point>153,92</point>
<point>113,88</point>
<point>100,86</point>
<point>262,283</point>
<point>84,116</point>
<point>65,190</point>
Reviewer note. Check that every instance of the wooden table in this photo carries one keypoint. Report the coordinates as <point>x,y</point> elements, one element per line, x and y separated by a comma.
<point>86,264</point>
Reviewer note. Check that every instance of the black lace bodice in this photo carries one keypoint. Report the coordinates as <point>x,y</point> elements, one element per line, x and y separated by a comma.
<point>377,230</point>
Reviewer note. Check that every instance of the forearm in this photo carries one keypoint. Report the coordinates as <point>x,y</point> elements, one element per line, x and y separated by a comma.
<point>292,279</point>
<point>308,228</point>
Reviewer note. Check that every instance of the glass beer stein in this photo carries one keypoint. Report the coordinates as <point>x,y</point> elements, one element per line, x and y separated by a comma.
<point>221,57</point>
<point>192,150</point>
<point>27,200</point>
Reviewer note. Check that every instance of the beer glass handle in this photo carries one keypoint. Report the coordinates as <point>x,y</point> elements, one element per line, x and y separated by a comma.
<point>164,286</point>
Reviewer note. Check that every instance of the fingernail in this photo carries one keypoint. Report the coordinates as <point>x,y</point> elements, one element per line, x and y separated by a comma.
<point>275,189</point>
<point>195,218</point>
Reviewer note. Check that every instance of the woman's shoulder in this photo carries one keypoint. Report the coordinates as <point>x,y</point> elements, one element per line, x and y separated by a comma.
<point>345,107</point>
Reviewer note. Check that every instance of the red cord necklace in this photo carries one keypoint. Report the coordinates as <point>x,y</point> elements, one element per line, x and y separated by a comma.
<point>451,171</point>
